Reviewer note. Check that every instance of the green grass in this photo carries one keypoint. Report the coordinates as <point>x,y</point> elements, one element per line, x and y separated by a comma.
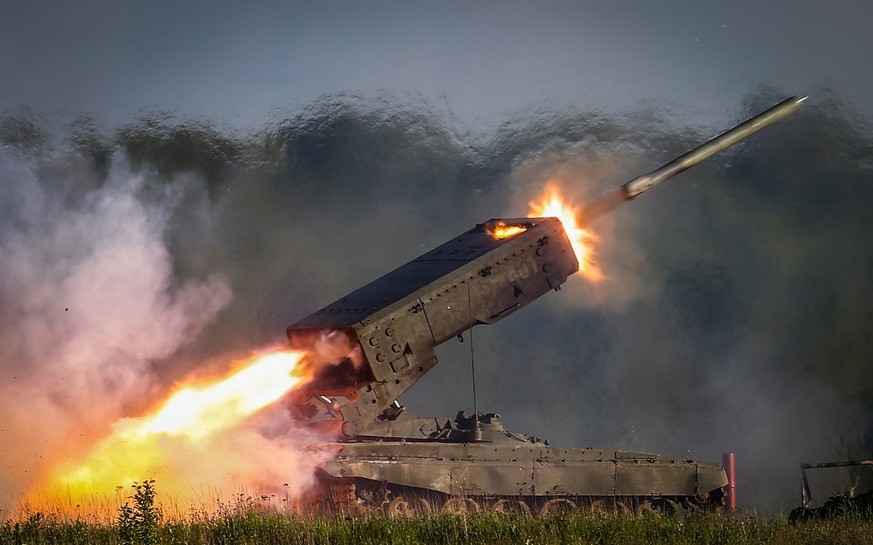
<point>578,528</point>
<point>252,520</point>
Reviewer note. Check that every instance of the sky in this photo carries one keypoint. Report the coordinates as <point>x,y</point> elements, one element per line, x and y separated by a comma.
<point>152,239</point>
<point>477,60</point>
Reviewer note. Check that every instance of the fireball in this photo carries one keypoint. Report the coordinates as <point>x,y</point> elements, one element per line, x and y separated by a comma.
<point>552,204</point>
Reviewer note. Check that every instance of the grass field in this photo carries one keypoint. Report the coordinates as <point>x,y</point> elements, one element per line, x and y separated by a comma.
<point>575,528</point>
<point>142,520</point>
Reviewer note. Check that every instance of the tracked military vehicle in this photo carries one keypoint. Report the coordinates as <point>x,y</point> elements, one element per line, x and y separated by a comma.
<point>373,344</point>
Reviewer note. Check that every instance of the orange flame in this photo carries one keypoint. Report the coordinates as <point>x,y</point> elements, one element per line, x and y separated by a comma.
<point>502,230</point>
<point>552,204</point>
<point>137,449</point>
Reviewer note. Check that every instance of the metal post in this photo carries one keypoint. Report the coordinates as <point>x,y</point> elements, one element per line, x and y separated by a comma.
<point>728,462</point>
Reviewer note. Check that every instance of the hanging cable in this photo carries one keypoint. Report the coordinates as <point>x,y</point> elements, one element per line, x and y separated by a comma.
<point>472,357</point>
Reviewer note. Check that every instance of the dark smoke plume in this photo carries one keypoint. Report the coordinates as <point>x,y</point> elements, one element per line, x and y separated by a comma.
<point>735,314</point>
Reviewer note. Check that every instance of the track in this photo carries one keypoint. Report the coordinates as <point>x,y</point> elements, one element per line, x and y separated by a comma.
<point>362,498</point>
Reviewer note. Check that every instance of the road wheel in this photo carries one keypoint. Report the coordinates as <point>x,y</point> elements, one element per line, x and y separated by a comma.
<point>657,507</point>
<point>460,506</point>
<point>621,508</point>
<point>399,508</point>
<point>648,508</point>
<point>422,506</point>
<point>596,506</point>
<point>557,506</point>
<point>510,506</point>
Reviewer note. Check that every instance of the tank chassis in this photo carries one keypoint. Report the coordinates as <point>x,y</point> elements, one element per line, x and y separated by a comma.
<point>391,461</point>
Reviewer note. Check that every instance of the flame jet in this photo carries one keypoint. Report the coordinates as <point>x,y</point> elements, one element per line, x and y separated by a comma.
<point>641,184</point>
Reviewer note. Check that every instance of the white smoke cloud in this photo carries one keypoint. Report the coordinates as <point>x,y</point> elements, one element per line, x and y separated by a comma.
<point>88,302</point>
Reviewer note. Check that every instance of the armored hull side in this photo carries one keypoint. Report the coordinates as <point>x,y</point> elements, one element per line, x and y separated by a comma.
<point>436,476</point>
<point>472,463</point>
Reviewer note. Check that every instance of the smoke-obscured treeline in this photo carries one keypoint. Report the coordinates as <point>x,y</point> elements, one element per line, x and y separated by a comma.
<point>736,313</point>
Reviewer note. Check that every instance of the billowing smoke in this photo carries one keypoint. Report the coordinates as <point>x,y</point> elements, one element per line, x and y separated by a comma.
<point>88,303</point>
<point>102,300</point>
<point>734,314</point>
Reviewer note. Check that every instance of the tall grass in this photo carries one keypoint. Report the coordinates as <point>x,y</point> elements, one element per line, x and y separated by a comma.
<point>255,520</point>
<point>252,527</point>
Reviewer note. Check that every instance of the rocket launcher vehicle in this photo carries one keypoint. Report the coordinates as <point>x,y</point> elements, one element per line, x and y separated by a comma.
<point>383,335</point>
<point>393,324</point>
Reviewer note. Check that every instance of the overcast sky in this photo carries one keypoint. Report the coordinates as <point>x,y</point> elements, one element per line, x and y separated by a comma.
<point>239,62</point>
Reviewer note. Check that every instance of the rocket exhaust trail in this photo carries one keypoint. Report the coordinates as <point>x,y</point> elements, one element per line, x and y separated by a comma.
<point>639,185</point>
